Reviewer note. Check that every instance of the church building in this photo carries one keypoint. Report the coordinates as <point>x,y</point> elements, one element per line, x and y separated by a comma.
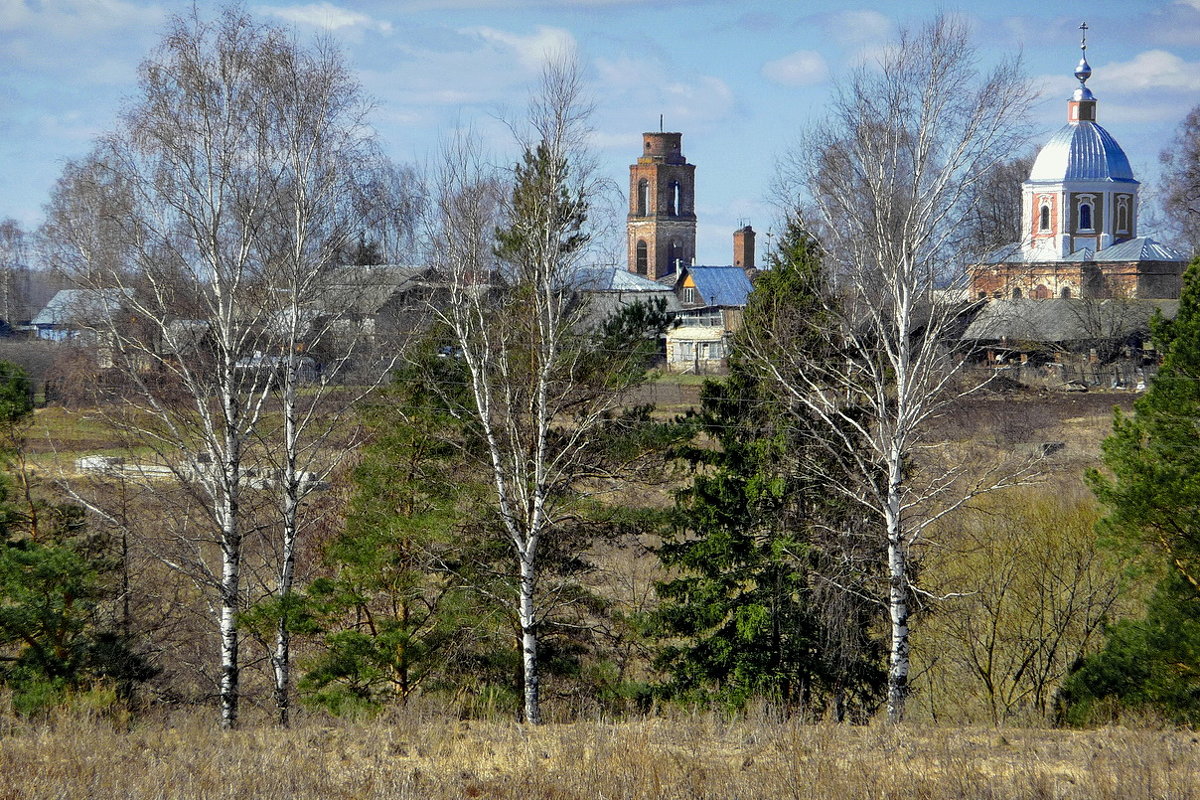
<point>661,231</point>
<point>1079,211</point>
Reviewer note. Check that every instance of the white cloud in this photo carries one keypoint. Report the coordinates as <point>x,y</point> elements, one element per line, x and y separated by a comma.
<point>328,16</point>
<point>80,42</point>
<point>801,68</point>
<point>74,18</point>
<point>857,27</point>
<point>533,50</point>
<point>646,87</point>
<point>1152,69</point>
<point>1129,114</point>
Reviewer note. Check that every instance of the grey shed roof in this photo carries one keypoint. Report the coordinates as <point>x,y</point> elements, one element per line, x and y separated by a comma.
<point>366,290</point>
<point>71,305</point>
<point>721,286</point>
<point>1063,319</point>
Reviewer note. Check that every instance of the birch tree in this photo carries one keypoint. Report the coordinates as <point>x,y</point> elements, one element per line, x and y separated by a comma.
<point>886,179</point>
<point>14,271</point>
<point>542,392</point>
<point>206,220</point>
<point>329,183</point>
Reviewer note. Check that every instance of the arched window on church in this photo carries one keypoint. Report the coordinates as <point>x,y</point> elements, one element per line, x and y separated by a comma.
<point>1123,215</point>
<point>1044,223</point>
<point>1085,216</point>
<point>643,197</point>
<point>674,255</point>
<point>673,196</point>
<point>1016,293</point>
<point>640,258</point>
<point>1066,292</point>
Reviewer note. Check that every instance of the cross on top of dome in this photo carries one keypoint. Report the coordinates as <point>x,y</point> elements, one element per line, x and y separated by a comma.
<point>1083,71</point>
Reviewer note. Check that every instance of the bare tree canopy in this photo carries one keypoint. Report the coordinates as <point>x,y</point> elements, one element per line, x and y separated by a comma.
<point>889,177</point>
<point>208,220</point>
<point>1181,181</point>
<point>994,208</point>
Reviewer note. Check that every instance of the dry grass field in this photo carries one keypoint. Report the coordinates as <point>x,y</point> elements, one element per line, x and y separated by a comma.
<point>408,754</point>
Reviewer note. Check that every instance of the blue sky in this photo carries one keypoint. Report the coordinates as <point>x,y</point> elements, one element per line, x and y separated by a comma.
<point>739,79</point>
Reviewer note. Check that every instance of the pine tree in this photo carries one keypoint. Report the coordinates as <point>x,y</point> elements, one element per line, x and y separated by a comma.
<point>56,634</point>
<point>1154,492</point>
<point>1153,499</point>
<point>395,613</point>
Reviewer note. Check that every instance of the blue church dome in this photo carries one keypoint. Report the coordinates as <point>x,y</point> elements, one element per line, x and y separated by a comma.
<point>1082,151</point>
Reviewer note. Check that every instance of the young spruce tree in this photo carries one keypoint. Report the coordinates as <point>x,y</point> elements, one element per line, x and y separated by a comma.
<point>768,598</point>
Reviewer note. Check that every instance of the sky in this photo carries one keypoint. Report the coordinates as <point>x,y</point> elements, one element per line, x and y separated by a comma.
<point>740,80</point>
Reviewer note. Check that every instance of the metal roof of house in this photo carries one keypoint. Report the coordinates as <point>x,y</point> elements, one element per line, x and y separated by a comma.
<point>1060,319</point>
<point>721,286</point>
<point>615,279</point>
<point>1081,151</point>
<point>70,305</point>
<point>610,289</point>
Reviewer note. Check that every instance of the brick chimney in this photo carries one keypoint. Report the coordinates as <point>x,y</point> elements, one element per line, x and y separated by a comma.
<point>743,248</point>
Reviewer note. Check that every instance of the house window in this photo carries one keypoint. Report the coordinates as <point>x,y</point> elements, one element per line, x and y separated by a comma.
<point>705,351</point>
<point>1044,223</point>
<point>1085,216</point>
<point>689,294</point>
<point>643,197</point>
<point>640,259</point>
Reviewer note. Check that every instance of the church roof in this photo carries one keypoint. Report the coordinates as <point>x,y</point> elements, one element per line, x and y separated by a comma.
<point>1081,151</point>
<point>1143,248</point>
<point>1004,255</point>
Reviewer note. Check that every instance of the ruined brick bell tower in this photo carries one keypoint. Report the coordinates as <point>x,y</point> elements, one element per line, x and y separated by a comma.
<point>662,211</point>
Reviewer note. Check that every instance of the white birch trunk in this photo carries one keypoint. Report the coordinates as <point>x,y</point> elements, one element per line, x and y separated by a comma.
<point>230,576</point>
<point>898,605</point>
<point>281,657</point>
<point>231,569</point>
<point>529,642</point>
